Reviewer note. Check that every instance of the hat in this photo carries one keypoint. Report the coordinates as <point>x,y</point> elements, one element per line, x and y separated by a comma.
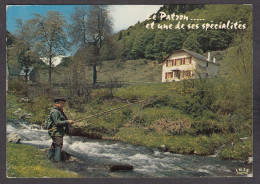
<point>59,99</point>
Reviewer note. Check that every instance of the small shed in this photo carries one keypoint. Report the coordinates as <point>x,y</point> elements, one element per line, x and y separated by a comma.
<point>31,74</point>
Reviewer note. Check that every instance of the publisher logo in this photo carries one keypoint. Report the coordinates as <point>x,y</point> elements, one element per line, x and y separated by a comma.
<point>242,171</point>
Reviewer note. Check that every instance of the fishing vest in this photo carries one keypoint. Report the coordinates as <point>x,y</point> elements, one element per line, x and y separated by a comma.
<point>57,123</point>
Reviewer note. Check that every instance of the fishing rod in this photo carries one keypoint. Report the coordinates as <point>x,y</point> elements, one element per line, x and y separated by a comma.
<point>104,112</point>
<point>107,111</point>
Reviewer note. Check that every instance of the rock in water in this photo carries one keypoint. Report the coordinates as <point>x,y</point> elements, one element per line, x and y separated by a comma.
<point>65,156</point>
<point>13,137</point>
<point>249,160</point>
<point>163,148</point>
<point>120,167</point>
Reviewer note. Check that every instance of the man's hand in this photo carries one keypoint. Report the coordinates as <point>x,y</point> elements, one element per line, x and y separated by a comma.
<point>70,121</point>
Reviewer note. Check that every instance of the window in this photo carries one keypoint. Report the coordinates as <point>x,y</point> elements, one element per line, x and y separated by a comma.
<point>177,74</point>
<point>187,74</point>
<point>187,60</point>
<point>168,75</point>
<point>170,63</point>
<point>178,62</point>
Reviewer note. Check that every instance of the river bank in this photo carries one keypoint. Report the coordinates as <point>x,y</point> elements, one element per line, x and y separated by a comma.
<point>162,121</point>
<point>97,156</point>
<point>29,161</point>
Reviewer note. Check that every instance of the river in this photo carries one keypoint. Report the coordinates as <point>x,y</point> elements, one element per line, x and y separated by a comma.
<point>96,156</point>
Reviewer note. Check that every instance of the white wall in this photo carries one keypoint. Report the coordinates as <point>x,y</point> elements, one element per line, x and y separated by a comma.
<point>181,67</point>
<point>211,69</point>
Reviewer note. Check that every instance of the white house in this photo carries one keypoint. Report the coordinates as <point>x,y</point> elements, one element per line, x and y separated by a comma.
<point>184,64</point>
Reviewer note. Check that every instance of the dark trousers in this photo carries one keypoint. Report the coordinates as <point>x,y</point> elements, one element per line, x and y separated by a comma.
<point>56,146</point>
<point>56,142</point>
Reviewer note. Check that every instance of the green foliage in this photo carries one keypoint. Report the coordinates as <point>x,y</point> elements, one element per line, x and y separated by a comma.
<point>140,42</point>
<point>209,127</point>
<point>198,97</point>
<point>11,106</point>
<point>240,151</point>
<point>65,62</point>
<point>143,91</point>
<point>238,63</point>
<point>191,43</point>
<point>27,161</point>
<point>16,86</point>
<point>172,42</point>
<point>40,108</point>
<point>201,145</point>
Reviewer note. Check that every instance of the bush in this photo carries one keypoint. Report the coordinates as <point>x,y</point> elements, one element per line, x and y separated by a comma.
<point>209,126</point>
<point>241,151</point>
<point>17,86</point>
<point>196,97</point>
<point>40,109</point>
<point>167,126</point>
<point>224,107</point>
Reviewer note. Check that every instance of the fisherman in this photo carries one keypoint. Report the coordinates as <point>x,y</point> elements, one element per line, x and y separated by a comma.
<point>56,125</point>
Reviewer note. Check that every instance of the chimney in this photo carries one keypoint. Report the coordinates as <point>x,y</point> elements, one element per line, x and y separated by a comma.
<point>214,60</point>
<point>209,56</point>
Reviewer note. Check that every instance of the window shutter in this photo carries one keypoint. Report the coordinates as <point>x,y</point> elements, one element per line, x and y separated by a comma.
<point>175,62</point>
<point>166,63</point>
<point>184,61</point>
<point>166,75</point>
<point>172,62</point>
<point>181,61</point>
<point>189,73</point>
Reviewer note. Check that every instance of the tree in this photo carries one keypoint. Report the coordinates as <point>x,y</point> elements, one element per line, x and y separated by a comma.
<point>173,41</point>
<point>90,27</point>
<point>158,42</point>
<point>20,48</point>
<point>138,48</point>
<point>49,35</point>
<point>191,43</point>
<point>239,68</point>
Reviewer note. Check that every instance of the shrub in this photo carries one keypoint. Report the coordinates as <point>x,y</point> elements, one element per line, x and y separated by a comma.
<point>240,151</point>
<point>40,108</point>
<point>209,126</point>
<point>179,126</point>
<point>17,86</point>
<point>224,107</point>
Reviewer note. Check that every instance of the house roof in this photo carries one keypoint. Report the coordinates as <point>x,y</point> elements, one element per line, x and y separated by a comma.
<point>193,54</point>
<point>29,72</point>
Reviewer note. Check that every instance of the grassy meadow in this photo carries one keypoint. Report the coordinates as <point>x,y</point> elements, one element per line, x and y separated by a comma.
<point>167,116</point>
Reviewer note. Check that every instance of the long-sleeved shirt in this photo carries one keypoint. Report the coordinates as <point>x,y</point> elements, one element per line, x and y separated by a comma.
<point>57,122</point>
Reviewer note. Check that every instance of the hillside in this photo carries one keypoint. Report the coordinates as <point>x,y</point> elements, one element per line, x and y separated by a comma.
<point>130,71</point>
<point>139,42</point>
